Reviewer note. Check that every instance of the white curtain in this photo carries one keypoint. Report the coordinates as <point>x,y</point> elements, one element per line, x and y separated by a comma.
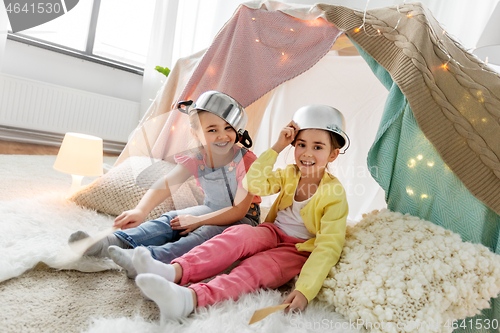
<point>4,23</point>
<point>160,49</point>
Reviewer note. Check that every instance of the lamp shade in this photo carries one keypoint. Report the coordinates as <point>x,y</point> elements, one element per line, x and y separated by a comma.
<point>81,155</point>
<point>488,44</point>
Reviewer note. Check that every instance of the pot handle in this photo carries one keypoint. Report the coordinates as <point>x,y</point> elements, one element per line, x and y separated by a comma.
<point>184,103</point>
<point>244,139</point>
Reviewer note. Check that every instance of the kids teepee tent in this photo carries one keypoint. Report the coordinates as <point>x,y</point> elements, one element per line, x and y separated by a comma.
<point>422,111</point>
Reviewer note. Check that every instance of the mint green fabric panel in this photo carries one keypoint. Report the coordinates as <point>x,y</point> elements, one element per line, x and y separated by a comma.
<point>418,182</point>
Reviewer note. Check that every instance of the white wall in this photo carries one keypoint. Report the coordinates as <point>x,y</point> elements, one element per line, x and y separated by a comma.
<point>38,64</point>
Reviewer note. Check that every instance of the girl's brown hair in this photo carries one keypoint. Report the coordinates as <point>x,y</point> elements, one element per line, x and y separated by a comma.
<point>334,142</point>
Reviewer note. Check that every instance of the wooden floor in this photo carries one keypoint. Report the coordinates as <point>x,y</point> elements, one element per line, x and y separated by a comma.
<point>17,148</point>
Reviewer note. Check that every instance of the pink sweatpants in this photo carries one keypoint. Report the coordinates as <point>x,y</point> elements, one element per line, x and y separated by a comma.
<point>269,260</point>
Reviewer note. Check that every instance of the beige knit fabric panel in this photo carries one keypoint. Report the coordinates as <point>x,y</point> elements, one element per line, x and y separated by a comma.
<point>457,107</point>
<point>123,187</point>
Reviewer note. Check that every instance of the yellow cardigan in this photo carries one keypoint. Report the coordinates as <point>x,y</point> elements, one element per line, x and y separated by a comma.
<point>324,215</point>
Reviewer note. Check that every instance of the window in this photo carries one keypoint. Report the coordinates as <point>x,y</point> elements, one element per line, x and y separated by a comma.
<point>123,30</point>
<point>114,32</point>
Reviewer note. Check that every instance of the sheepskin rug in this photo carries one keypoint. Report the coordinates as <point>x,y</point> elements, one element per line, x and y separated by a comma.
<point>410,275</point>
<point>36,220</point>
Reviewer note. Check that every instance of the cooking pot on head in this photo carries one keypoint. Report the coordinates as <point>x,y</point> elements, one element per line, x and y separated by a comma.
<point>223,106</point>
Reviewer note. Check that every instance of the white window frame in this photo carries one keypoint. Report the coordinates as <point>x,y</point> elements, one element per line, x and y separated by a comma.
<point>85,55</point>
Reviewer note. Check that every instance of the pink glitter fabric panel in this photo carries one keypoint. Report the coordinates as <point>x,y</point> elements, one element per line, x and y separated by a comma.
<point>258,50</point>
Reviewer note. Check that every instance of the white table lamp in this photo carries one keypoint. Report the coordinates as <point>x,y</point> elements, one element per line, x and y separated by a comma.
<point>80,156</point>
<point>488,45</point>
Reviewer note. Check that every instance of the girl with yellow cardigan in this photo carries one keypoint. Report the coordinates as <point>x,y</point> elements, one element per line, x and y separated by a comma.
<point>303,233</point>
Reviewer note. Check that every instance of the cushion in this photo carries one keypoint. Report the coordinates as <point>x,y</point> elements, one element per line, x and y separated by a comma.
<point>123,187</point>
<point>406,272</point>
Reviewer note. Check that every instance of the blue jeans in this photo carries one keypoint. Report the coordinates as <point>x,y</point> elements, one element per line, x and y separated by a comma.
<point>165,244</point>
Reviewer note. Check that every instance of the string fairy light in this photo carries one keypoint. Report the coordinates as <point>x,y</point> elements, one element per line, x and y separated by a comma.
<point>286,29</point>
<point>452,60</point>
<point>439,43</point>
<point>363,26</point>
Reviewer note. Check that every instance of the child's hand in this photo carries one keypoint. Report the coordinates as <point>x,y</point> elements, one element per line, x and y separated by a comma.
<point>297,301</point>
<point>188,223</point>
<point>286,137</point>
<point>129,219</point>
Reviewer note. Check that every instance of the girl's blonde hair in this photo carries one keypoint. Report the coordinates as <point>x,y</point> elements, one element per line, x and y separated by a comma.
<point>194,124</point>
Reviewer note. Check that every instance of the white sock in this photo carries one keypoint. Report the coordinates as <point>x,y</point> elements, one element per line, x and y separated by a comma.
<point>123,257</point>
<point>144,263</point>
<point>173,300</point>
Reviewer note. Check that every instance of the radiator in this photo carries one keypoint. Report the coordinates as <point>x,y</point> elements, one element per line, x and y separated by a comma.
<point>42,107</point>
